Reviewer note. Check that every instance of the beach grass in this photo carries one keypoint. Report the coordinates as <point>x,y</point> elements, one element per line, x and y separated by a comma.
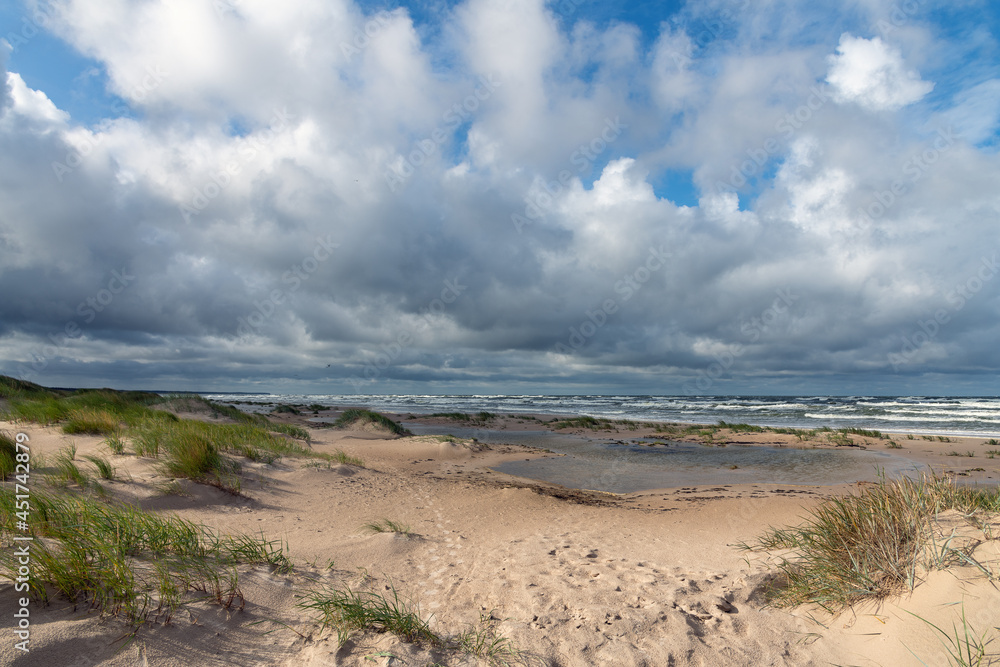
<point>485,642</point>
<point>965,646</point>
<point>127,562</point>
<point>868,545</point>
<point>186,448</point>
<point>359,416</point>
<point>15,388</point>
<point>387,526</point>
<point>591,423</point>
<point>105,469</point>
<point>347,610</point>
<point>8,455</point>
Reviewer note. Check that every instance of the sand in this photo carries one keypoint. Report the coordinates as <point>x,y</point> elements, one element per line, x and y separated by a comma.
<point>571,577</point>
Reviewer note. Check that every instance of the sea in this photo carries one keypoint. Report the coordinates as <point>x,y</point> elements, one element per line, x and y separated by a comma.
<point>934,415</point>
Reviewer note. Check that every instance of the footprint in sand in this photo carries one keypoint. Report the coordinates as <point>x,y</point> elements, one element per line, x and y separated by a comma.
<point>441,557</point>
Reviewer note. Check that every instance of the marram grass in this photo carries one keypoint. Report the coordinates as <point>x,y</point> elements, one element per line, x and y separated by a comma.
<point>359,416</point>
<point>127,562</point>
<point>348,611</point>
<point>387,526</point>
<point>206,452</point>
<point>866,546</point>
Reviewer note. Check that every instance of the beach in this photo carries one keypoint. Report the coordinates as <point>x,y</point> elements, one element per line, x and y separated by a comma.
<point>567,576</point>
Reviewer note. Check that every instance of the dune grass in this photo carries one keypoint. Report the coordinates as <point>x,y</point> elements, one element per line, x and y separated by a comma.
<point>966,647</point>
<point>866,546</point>
<point>195,449</point>
<point>387,526</point>
<point>8,455</point>
<point>192,449</point>
<point>105,470</point>
<point>358,416</point>
<point>14,388</point>
<point>583,422</point>
<point>347,611</point>
<point>484,641</point>
<point>127,562</point>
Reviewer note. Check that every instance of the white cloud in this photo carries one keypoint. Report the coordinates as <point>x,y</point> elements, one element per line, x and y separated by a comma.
<point>873,75</point>
<point>272,193</point>
<point>34,104</point>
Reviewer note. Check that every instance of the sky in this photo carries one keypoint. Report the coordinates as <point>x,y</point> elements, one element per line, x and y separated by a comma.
<point>501,196</point>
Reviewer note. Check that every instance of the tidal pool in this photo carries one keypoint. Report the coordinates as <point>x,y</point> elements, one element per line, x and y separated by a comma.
<point>603,465</point>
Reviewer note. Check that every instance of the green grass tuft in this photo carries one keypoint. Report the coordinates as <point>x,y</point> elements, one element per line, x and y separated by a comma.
<point>66,470</point>
<point>483,641</point>
<point>387,526</point>
<point>116,442</point>
<point>104,468</point>
<point>193,455</point>
<point>344,458</point>
<point>868,545</point>
<point>8,455</point>
<point>127,562</point>
<point>91,421</point>
<point>347,611</point>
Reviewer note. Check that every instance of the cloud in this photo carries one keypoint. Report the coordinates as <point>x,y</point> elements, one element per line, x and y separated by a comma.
<point>5,94</point>
<point>873,75</point>
<point>237,227</point>
<point>976,114</point>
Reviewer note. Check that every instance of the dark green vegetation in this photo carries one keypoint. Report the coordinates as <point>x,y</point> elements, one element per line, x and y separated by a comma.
<point>867,546</point>
<point>8,451</point>
<point>202,451</point>
<point>358,416</point>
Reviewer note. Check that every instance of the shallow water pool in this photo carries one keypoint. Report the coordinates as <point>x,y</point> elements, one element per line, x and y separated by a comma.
<point>602,465</point>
